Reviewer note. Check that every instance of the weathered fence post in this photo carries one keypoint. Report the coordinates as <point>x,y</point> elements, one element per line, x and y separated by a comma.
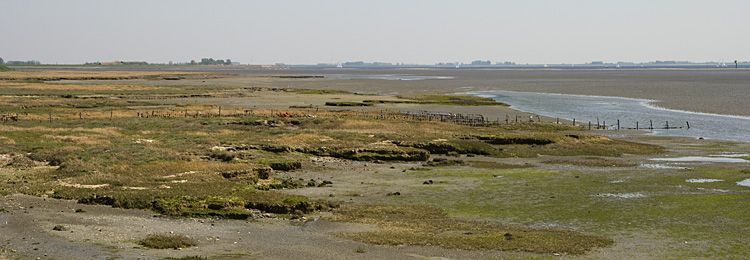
<point>688,124</point>
<point>618,124</point>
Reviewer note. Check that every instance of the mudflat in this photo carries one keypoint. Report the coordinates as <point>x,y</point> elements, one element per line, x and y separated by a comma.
<point>721,91</point>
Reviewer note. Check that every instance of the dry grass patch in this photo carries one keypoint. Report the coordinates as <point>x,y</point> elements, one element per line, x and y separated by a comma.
<point>83,75</point>
<point>47,86</point>
<point>88,140</point>
<point>426,226</point>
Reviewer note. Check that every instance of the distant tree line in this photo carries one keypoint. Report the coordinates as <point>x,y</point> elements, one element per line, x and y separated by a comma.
<point>211,61</point>
<point>117,63</point>
<point>14,62</point>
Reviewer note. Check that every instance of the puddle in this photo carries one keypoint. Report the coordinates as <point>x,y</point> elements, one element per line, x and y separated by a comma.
<point>702,180</point>
<point>714,190</point>
<point>144,141</point>
<point>616,181</point>
<point>662,166</point>
<point>731,155</point>
<point>628,195</point>
<point>702,159</point>
<point>745,182</point>
<point>84,186</point>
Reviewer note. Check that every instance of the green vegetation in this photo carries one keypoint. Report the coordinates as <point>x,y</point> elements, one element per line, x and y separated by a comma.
<point>3,68</point>
<point>187,258</point>
<point>167,241</point>
<point>347,104</point>
<point>459,100</point>
<point>664,205</point>
<point>420,225</point>
<point>592,162</point>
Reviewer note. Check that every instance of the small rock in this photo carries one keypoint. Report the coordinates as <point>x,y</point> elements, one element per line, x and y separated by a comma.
<point>60,228</point>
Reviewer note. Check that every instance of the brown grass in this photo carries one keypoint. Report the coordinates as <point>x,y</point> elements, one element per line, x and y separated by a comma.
<point>78,74</point>
<point>48,86</point>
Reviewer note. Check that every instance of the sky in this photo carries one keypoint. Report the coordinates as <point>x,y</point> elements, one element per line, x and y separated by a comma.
<point>399,31</point>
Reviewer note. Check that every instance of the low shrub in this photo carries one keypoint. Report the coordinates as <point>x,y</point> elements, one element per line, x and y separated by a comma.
<point>286,166</point>
<point>167,241</point>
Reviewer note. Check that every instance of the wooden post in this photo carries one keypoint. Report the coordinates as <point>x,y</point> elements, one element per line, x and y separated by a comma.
<point>604,125</point>
<point>80,115</point>
<point>651,124</point>
<point>589,125</point>
<point>597,123</point>
<point>667,127</point>
<point>557,121</point>
<point>618,124</point>
<point>688,124</point>
<point>574,122</point>
<point>636,125</point>
<point>516,118</point>
<point>110,114</point>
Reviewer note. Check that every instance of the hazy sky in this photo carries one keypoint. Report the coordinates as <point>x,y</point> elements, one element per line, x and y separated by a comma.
<point>412,31</point>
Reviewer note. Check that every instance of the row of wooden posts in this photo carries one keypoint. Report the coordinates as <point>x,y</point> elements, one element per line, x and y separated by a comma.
<point>476,119</point>
<point>458,118</point>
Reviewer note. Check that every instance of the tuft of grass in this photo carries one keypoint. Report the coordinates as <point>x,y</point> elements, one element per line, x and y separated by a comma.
<point>21,162</point>
<point>167,241</point>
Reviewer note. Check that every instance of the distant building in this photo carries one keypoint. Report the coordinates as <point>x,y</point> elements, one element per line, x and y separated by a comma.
<point>481,63</point>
